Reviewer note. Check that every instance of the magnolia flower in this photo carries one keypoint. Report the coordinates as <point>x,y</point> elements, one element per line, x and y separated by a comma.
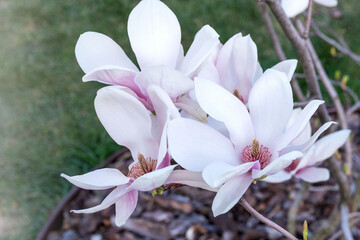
<point>130,124</point>
<point>154,34</point>
<point>256,138</point>
<point>293,8</point>
<point>305,167</point>
<point>236,66</point>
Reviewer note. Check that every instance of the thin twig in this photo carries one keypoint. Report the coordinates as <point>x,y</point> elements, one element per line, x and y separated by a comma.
<point>265,220</point>
<point>278,49</point>
<point>294,208</point>
<point>308,20</point>
<point>346,89</point>
<point>353,109</point>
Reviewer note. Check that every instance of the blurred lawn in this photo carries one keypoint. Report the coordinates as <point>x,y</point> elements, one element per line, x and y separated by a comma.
<point>47,121</point>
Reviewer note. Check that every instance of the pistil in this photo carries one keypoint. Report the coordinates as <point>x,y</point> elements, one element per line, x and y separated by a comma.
<point>256,152</point>
<point>143,166</point>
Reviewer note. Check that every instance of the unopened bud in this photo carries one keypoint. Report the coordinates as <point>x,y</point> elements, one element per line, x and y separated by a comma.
<point>305,230</point>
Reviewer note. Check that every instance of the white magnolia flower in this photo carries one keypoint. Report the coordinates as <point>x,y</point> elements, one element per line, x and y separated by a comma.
<point>295,7</point>
<point>257,136</point>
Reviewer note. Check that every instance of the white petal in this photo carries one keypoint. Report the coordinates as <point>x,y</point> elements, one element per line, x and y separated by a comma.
<point>313,174</point>
<point>278,177</point>
<point>230,193</point>
<point>277,165</point>
<point>218,172</point>
<point>191,107</point>
<point>205,41</point>
<point>112,198</point>
<point>245,60</point>
<point>259,71</point>
<point>299,124</point>
<point>193,179</point>
<point>305,135</point>
<point>287,66</point>
<point>327,145</point>
<point>195,145</point>
<point>327,3</point>
<point>209,71</point>
<point>94,50</point>
<point>126,120</point>
<point>171,81</point>
<point>154,33</point>
<point>293,8</point>
<point>99,179</point>
<point>125,206</point>
<point>270,105</point>
<point>152,180</point>
<point>225,107</point>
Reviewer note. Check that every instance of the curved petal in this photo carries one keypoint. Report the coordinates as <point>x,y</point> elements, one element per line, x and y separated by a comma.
<point>195,145</point>
<point>245,60</point>
<point>205,41</point>
<point>99,179</point>
<point>209,71</point>
<point>313,174</point>
<point>171,81</point>
<point>299,124</point>
<point>277,165</point>
<point>225,107</point>
<point>125,206</point>
<point>278,177</point>
<point>126,120</point>
<point>305,135</point>
<point>327,145</point>
<point>94,50</point>
<point>287,66</point>
<point>152,180</point>
<point>270,105</point>
<point>154,34</point>
<point>191,107</point>
<point>218,172</point>
<point>293,8</point>
<point>112,198</point>
<point>327,3</point>
<point>113,75</point>
<point>189,178</point>
<point>230,193</point>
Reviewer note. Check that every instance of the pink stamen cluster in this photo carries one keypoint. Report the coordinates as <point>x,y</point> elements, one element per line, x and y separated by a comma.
<point>256,152</point>
<point>293,165</point>
<point>143,166</point>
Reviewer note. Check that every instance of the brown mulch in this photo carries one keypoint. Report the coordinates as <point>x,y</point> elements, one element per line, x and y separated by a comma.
<point>185,213</point>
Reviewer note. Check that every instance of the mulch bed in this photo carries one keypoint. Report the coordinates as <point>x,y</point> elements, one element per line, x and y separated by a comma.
<point>185,213</point>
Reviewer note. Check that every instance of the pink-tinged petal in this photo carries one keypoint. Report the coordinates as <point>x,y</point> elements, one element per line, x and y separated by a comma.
<point>189,178</point>
<point>205,41</point>
<point>327,145</point>
<point>287,66</point>
<point>293,8</point>
<point>218,173</point>
<point>195,145</point>
<point>113,75</point>
<point>171,81</point>
<point>277,165</point>
<point>327,3</point>
<point>304,161</point>
<point>125,206</point>
<point>225,107</point>
<point>230,193</point>
<point>299,124</point>
<point>94,50</point>
<point>245,60</point>
<point>154,34</point>
<point>313,174</point>
<point>112,198</point>
<point>126,120</point>
<point>99,179</point>
<point>278,177</point>
<point>152,180</point>
<point>270,105</point>
<point>225,64</point>
<point>305,135</point>
<point>191,107</point>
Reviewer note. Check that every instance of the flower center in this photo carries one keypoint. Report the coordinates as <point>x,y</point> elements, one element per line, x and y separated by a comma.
<point>256,152</point>
<point>143,166</point>
<point>293,165</point>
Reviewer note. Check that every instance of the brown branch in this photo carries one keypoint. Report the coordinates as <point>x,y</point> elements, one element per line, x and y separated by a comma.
<point>308,20</point>
<point>265,220</point>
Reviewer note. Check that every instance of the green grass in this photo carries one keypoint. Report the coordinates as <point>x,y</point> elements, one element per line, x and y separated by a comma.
<point>47,121</point>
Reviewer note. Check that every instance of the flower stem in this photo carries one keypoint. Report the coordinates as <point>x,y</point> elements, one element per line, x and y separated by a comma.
<point>265,220</point>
